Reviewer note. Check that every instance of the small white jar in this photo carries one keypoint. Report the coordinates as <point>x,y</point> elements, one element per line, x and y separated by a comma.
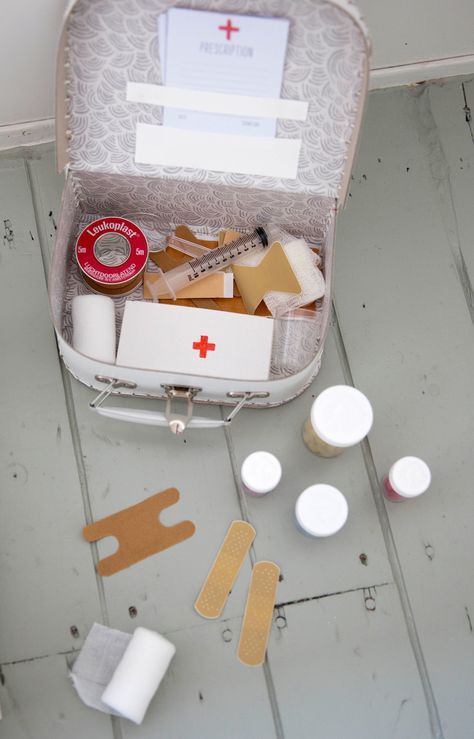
<point>341,417</point>
<point>260,473</point>
<point>408,478</point>
<point>321,510</point>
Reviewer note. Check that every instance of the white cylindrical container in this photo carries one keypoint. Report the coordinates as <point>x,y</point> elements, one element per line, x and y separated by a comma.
<point>341,417</point>
<point>93,327</point>
<point>321,510</point>
<point>408,478</point>
<point>139,674</point>
<point>260,473</point>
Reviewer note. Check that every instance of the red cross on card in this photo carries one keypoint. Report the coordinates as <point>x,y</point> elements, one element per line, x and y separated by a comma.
<point>229,29</point>
<point>204,346</point>
<point>195,341</point>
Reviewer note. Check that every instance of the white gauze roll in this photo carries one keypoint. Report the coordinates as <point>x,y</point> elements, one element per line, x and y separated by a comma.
<point>93,327</point>
<point>138,674</point>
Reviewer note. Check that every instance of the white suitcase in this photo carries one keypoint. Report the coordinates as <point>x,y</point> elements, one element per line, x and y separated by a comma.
<point>107,43</point>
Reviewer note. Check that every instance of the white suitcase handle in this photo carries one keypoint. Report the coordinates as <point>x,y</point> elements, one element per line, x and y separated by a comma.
<point>151,418</point>
<point>177,423</point>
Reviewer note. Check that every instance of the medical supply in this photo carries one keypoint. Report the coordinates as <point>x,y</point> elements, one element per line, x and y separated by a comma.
<point>408,478</point>
<point>304,262</point>
<point>139,532</point>
<point>138,674</point>
<point>341,417</point>
<point>185,233</point>
<point>118,673</point>
<point>217,285</point>
<point>258,613</point>
<point>198,341</point>
<point>176,279</point>
<point>321,510</point>
<point>272,273</point>
<point>296,337</point>
<point>112,254</point>
<point>260,473</point>
<point>225,568</point>
<point>93,327</point>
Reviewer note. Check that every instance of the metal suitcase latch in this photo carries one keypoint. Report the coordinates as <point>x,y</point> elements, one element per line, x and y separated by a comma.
<point>176,422</point>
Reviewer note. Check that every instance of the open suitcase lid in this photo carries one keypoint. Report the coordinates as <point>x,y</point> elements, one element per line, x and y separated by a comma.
<point>107,43</point>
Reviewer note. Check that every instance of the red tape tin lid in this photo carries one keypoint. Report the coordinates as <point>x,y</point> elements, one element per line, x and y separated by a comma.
<point>115,260</point>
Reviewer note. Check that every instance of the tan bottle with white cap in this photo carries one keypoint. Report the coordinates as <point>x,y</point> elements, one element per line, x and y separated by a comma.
<point>341,417</point>
<point>408,478</point>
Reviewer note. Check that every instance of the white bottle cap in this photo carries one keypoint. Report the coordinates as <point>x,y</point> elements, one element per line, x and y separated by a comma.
<point>341,416</point>
<point>321,510</point>
<point>261,472</point>
<point>409,477</point>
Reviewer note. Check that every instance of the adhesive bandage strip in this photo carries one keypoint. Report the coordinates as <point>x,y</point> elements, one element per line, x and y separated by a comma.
<point>139,532</point>
<point>223,573</point>
<point>258,613</point>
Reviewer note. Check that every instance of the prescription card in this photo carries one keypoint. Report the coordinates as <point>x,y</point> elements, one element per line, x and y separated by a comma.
<point>222,52</point>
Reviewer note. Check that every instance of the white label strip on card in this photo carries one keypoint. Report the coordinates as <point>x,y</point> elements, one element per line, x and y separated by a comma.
<point>220,152</point>
<point>216,102</point>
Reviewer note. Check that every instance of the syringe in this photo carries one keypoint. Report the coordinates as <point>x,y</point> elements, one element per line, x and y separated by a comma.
<point>170,283</point>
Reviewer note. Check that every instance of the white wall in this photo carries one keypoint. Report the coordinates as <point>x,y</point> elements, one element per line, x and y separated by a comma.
<point>29,35</point>
<point>412,39</point>
<point>415,40</point>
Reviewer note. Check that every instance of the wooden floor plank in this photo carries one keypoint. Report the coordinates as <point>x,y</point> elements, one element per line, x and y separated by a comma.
<point>310,567</point>
<point>207,691</point>
<point>127,463</point>
<point>47,187</point>
<point>341,669</point>
<point>39,702</point>
<point>313,568</point>
<point>447,118</point>
<point>408,334</point>
<point>46,581</point>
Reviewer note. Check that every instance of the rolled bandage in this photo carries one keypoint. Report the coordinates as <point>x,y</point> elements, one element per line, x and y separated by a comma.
<point>93,324</point>
<point>138,674</point>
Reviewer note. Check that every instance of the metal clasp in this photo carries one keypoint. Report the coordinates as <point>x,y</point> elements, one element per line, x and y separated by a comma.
<point>244,399</point>
<point>178,422</point>
<point>112,384</point>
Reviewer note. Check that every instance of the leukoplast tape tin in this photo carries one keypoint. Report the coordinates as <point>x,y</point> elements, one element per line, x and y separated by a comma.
<point>112,254</point>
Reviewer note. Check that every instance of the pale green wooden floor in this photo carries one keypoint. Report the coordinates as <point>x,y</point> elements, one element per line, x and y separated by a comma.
<point>382,649</point>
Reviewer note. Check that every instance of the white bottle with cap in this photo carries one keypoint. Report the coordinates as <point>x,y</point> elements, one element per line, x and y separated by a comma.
<point>408,478</point>
<point>321,510</point>
<point>341,417</point>
<point>260,473</point>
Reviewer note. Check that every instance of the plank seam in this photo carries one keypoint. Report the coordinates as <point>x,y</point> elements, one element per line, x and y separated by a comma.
<point>392,553</point>
<point>272,697</point>
<point>332,595</point>
<point>467,113</point>
<point>439,170</point>
<point>38,657</point>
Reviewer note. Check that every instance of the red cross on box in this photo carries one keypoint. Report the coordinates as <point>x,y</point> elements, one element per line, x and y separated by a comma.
<point>204,346</point>
<point>229,29</point>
